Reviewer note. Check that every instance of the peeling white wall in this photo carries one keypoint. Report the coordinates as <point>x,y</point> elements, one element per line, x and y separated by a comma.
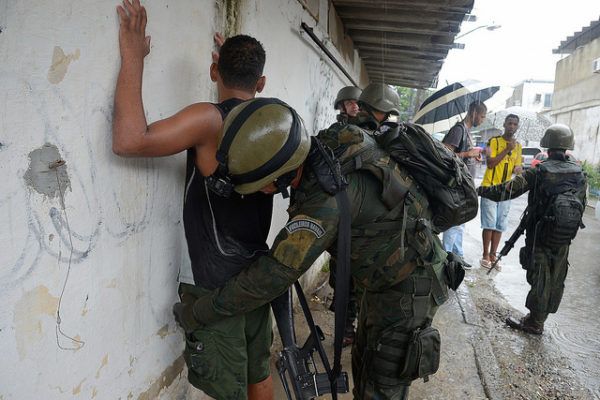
<point>100,238</point>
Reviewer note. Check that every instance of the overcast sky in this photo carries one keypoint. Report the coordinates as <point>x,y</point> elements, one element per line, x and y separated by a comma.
<point>522,48</point>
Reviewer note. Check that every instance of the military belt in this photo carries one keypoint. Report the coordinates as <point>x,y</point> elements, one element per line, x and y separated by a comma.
<point>415,286</point>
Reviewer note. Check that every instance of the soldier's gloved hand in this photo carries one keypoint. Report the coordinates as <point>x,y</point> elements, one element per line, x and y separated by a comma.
<point>184,315</point>
<point>454,270</point>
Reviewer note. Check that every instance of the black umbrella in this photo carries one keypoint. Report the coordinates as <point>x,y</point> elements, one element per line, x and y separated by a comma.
<point>452,100</point>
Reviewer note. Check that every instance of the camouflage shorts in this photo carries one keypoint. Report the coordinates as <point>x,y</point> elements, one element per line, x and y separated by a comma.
<point>223,358</point>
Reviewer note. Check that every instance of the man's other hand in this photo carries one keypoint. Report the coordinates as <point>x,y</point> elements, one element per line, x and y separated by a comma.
<point>133,41</point>
<point>511,144</point>
<point>219,40</point>
<point>474,152</point>
<point>184,315</point>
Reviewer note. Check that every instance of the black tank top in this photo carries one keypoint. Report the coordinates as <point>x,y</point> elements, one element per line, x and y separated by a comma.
<point>224,235</point>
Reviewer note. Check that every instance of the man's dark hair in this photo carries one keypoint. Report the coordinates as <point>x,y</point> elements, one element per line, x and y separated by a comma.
<point>241,62</point>
<point>515,116</point>
<point>477,106</point>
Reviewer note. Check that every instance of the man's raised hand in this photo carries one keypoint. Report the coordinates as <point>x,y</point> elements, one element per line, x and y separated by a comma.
<point>133,41</point>
<point>219,40</point>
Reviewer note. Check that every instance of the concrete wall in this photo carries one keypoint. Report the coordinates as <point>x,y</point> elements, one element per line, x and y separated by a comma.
<point>91,244</point>
<point>576,100</point>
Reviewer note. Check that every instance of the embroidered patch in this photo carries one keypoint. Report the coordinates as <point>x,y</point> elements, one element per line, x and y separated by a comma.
<point>305,224</point>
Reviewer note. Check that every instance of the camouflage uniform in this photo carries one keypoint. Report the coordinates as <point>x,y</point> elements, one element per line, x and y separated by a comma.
<point>395,258</point>
<point>546,266</point>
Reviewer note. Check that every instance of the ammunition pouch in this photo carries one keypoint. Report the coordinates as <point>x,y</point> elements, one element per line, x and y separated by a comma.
<point>401,357</point>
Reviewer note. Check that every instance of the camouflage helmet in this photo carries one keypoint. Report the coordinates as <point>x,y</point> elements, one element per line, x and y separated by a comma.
<point>558,136</point>
<point>346,93</point>
<point>380,97</point>
<point>262,140</point>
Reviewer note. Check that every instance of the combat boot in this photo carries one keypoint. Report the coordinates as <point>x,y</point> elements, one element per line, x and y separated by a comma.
<point>526,324</point>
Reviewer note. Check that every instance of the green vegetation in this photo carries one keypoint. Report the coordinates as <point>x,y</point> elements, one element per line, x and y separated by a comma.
<point>593,173</point>
<point>410,101</point>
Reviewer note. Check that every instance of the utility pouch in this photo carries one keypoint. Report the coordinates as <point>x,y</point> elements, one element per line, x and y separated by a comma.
<point>400,357</point>
<point>422,354</point>
<point>201,356</point>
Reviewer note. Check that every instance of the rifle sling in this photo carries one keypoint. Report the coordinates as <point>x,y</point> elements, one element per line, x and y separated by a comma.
<point>342,285</point>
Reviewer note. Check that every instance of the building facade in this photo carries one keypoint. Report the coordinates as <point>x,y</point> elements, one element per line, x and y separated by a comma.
<point>576,100</point>
<point>532,95</point>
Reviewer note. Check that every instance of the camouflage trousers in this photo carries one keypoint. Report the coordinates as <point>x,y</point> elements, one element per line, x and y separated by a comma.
<point>546,274</point>
<point>389,317</point>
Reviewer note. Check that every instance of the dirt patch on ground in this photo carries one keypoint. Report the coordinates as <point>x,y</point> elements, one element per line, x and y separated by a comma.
<point>531,367</point>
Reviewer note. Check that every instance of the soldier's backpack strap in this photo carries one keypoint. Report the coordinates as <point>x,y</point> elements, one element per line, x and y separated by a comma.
<point>327,171</point>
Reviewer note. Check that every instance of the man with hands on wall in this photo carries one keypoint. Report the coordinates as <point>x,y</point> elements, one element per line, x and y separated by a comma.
<point>223,236</point>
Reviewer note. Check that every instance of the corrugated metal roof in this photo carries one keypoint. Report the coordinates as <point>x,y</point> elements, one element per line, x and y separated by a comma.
<point>578,39</point>
<point>403,42</point>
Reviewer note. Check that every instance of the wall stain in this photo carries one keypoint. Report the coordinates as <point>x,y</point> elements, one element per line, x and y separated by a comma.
<point>85,309</point>
<point>102,365</point>
<point>164,380</point>
<point>77,389</point>
<point>94,392</point>
<point>163,332</point>
<point>27,313</point>
<point>44,179</point>
<point>60,64</point>
<point>232,17</point>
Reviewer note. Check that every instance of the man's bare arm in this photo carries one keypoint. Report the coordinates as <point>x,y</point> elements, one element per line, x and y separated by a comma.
<point>474,152</point>
<point>193,126</point>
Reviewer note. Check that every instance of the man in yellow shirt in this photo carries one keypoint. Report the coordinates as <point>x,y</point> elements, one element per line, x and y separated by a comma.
<point>503,156</point>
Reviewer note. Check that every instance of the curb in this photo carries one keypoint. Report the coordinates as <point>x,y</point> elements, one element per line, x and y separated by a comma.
<point>487,365</point>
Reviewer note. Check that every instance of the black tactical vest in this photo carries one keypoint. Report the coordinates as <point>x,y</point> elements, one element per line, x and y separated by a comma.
<point>224,235</point>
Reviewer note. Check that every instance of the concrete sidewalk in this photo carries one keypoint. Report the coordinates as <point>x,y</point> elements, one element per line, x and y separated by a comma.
<point>468,369</point>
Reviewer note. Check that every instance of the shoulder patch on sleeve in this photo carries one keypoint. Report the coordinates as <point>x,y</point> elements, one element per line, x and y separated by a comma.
<point>304,223</point>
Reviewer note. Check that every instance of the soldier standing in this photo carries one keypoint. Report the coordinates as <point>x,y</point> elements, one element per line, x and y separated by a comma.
<point>557,198</point>
<point>395,257</point>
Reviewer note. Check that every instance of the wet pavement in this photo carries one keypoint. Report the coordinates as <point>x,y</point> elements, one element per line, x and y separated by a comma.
<point>575,328</point>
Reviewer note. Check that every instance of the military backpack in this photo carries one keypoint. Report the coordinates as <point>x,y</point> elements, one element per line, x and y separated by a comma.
<point>562,194</point>
<point>443,176</point>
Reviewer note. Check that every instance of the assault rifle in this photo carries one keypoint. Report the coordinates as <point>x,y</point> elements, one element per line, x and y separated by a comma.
<point>510,243</point>
<point>296,365</point>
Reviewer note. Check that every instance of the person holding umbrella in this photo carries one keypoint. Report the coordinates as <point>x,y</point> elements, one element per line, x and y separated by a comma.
<point>459,140</point>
